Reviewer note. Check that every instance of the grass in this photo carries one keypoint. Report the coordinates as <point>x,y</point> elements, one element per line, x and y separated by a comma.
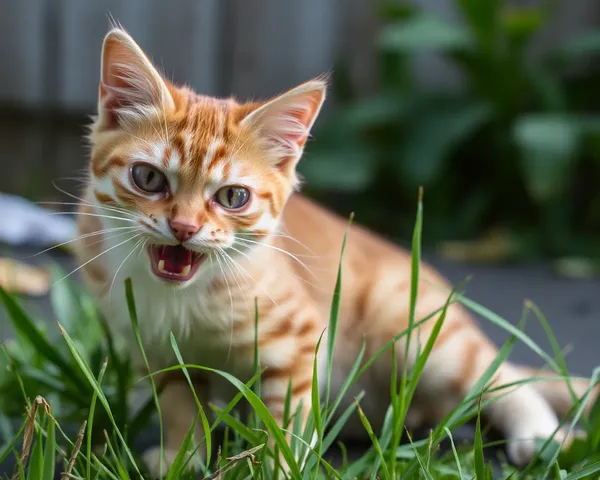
<point>89,413</point>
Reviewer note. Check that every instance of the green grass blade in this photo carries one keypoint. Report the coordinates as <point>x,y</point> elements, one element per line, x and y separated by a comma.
<point>316,404</point>
<point>205,424</point>
<point>373,437</point>
<point>505,325</point>
<point>90,421</point>
<point>478,460</point>
<point>36,460</point>
<point>578,414</point>
<point>136,331</point>
<point>23,324</point>
<point>587,472</point>
<point>562,364</point>
<point>454,453</point>
<point>96,387</point>
<point>180,462</point>
<point>121,471</point>
<point>248,434</point>
<point>422,466</point>
<point>347,383</point>
<point>10,448</point>
<point>333,433</point>
<point>257,368</point>
<point>415,261</point>
<point>50,451</point>
<point>257,404</point>
<point>334,314</point>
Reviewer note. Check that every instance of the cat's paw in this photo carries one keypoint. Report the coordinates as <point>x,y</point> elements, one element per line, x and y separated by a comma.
<point>152,459</point>
<point>521,451</point>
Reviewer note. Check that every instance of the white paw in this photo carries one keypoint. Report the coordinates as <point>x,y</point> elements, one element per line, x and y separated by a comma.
<point>152,461</point>
<point>521,450</point>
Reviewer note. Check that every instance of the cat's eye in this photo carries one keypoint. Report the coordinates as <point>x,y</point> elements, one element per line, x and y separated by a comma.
<point>148,178</point>
<point>232,198</point>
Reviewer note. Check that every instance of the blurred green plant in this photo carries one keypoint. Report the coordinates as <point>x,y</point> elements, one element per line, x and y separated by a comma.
<point>515,149</point>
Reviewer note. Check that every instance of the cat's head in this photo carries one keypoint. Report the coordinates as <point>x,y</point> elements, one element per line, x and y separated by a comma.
<point>196,174</point>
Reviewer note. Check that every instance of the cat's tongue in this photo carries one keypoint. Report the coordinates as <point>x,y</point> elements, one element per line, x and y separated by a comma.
<point>176,260</point>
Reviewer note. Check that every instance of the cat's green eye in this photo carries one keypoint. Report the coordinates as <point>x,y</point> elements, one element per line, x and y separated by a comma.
<point>148,178</point>
<point>232,198</point>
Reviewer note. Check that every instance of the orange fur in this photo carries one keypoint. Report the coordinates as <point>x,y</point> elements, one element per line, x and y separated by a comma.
<point>280,247</point>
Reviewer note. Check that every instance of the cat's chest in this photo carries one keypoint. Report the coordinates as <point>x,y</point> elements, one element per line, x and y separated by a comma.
<point>199,322</point>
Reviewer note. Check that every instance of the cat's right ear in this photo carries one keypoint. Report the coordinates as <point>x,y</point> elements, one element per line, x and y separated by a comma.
<point>131,89</point>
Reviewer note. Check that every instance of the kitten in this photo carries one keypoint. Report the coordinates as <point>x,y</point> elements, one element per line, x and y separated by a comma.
<point>194,198</point>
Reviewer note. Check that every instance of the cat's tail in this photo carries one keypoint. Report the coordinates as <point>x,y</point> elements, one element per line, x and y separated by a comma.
<point>557,393</point>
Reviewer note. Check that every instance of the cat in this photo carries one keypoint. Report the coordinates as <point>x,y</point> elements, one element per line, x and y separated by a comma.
<point>195,198</point>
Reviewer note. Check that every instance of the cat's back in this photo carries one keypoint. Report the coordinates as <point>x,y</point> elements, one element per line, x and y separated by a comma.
<point>370,261</point>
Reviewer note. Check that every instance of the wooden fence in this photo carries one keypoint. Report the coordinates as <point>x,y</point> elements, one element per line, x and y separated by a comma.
<point>49,49</point>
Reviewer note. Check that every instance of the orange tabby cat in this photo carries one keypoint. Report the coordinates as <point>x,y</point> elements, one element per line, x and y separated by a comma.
<point>192,196</point>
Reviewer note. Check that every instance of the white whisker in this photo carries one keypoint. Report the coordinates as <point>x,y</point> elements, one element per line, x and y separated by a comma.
<point>283,235</point>
<point>81,237</point>
<point>317,287</point>
<point>138,243</point>
<point>93,215</point>
<point>230,297</point>
<point>110,209</point>
<point>227,261</point>
<point>94,258</point>
<point>273,247</point>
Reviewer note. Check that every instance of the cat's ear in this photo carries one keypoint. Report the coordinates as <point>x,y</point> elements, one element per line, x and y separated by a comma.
<point>284,123</point>
<point>130,87</point>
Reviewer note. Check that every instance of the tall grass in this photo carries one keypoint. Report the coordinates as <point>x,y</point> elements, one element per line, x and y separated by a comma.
<point>81,424</point>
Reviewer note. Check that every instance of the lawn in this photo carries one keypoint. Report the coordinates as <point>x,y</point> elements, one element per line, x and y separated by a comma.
<point>72,407</point>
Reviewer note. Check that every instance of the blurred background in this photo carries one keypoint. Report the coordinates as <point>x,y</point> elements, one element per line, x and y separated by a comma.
<point>493,106</point>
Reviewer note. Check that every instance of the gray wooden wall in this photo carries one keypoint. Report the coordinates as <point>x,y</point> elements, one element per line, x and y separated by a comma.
<point>49,49</point>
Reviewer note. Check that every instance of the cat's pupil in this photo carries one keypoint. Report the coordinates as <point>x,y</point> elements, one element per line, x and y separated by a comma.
<point>150,177</point>
<point>230,195</point>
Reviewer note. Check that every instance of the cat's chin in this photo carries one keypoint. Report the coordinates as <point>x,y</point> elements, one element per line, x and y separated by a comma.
<point>174,263</point>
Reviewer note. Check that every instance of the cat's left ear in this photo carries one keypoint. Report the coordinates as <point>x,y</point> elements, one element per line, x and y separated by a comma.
<point>284,123</point>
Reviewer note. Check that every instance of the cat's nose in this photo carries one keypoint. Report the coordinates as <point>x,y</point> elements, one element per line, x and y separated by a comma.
<point>183,231</point>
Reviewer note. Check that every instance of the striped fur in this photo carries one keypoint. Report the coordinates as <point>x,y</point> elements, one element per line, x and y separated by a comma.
<point>281,249</point>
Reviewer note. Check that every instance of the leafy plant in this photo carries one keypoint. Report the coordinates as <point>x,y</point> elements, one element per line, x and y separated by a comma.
<point>513,148</point>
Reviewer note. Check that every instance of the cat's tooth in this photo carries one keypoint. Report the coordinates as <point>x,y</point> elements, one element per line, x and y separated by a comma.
<point>161,265</point>
<point>186,271</point>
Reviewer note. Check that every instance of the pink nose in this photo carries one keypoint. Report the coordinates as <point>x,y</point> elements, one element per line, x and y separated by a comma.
<point>183,231</point>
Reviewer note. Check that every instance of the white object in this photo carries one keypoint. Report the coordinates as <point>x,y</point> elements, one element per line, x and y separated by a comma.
<point>24,223</point>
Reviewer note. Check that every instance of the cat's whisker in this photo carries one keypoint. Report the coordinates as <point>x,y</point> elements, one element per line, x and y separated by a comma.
<point>94,258</point>
<point>81,237</point>
<point>143,247</point>
<point>93,215</point>
<point>242,269</point>
<point>111,209</point>
<point>273,247</point>
<point>227,260</point>
<point>64,192</point>
<point>230,297</point>
<point>281,235</point>
<point>317,287</point>
<point>138,243</point>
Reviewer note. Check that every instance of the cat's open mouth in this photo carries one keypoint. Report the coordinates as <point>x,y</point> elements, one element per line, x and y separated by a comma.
<point>175,263</point>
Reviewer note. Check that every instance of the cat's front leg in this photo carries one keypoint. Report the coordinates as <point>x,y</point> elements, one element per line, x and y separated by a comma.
<point>178,410</point>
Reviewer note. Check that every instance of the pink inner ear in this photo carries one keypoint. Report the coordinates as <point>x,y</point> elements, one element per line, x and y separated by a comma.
<point>304,114</point>
<point>127,81</point>
<point>287,123</point>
